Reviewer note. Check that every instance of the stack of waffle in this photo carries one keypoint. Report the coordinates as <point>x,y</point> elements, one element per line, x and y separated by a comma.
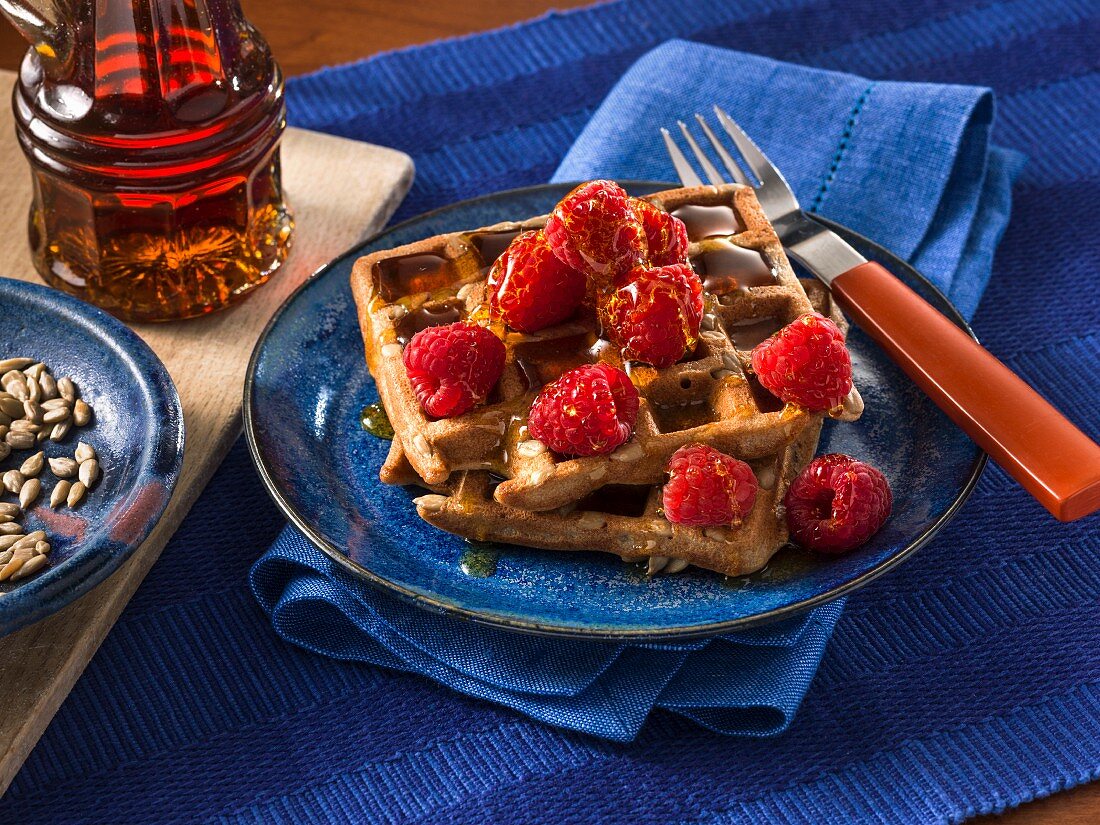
<point>492,482</point>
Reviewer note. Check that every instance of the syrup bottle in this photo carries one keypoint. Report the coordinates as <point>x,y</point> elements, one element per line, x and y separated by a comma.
<point>152,129</point>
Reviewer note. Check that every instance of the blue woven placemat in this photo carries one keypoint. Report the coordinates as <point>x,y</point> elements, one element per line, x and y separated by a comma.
<point>967,681</point>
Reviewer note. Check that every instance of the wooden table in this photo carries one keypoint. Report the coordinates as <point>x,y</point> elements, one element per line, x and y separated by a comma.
<point>307,41</point>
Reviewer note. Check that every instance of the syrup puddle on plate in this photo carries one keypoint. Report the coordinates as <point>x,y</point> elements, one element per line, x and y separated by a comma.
<point>479,559</point>
<point>374,420</point>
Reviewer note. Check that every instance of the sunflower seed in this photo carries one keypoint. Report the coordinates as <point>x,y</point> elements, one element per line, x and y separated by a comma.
<point>628,452</point>
<point>63,467</point>
<point>33,465</point>
<point>88,472</point>
<point>591,521</point>
<point>12,377</point>
<point>11,406</point>
<point>19,440</point>
<point>32,488</point>
<point>430,503</point>
<point>6,518</point>
<point>5,556</point>
<point>43,548</point>
<point>8,509</point>
<point>13,481</point>
<point>34,389</point>
<point>530,448</point>
<point>656,564</point>
<point>60,493</point>
<point>76,494</point>
<point>5,449</point>
<point>676,565</point>
<point>42,435</point>
<point>34,370</point>
<point>7,541</point>
<point>67,389</point>
<point>11,529</point>
<point>15,364</point>
<point>56,416</point>
<point>83,452</point>
<point>49,386</point>
<point>22,425</point>
<point>82,413</point>
<point>18,559</point>
<point>30,540</point>
<point>61,430</point>
<point>56,403</point>
<point>30,567</point>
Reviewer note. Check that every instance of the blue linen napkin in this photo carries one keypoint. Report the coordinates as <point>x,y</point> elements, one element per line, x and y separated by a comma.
<point>909,165</point>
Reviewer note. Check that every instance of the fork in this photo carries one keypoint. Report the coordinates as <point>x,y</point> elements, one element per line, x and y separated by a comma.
<point>1038,446</point>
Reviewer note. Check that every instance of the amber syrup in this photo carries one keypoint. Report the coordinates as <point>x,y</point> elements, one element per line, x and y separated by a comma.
<point>154,157</point>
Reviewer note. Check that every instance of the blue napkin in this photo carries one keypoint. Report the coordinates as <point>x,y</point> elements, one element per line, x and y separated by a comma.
<point>909,165</point>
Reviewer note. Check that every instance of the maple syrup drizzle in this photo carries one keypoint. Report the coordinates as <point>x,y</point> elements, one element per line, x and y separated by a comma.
<point>541,362</point>
<point>709,221</point>
<point>726,268</point>
<point>765,401</point>
<point>431,314</point>
<point>396,278</point>
<point>672,418</point>
<point>374,420</point>
<point>747,333</point>
<point>491,245</point>
<point>617,500</point>
<point>479,559</point>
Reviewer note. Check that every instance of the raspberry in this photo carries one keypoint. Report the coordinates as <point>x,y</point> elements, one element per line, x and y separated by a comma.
<point>837,503</point>
<point>530,288</point>
<point>589,410</point>
<point>666,235</point>
<point>654,316</point>
<point>805,363</point>
<point>706,487</point>
<point>594,229</point>
<point>452,368</point>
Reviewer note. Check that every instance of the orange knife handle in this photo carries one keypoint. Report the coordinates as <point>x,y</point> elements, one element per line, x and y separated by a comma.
<point>1037,445</point>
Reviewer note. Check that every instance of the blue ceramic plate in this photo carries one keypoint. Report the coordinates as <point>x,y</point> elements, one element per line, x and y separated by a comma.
<point>137,432</point>
<point>308,382</point>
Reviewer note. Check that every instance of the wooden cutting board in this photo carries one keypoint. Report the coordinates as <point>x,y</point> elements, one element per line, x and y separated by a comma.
<point>340,191</point>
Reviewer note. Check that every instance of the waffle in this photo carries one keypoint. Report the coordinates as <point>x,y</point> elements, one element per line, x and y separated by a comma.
<point>622,519</point>
<point>709,398</point>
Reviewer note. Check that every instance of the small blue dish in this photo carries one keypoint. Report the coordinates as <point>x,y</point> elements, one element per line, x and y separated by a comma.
<point>307,383</point>
<point>137,432</point>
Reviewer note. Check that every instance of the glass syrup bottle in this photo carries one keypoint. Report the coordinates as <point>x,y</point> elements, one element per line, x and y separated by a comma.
<point>152,129</point>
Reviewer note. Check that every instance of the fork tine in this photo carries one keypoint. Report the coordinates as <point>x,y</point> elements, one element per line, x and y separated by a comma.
<point>756,160</point>
<point>687,174</point>
<point>712,173</point>
<point>736,172</point>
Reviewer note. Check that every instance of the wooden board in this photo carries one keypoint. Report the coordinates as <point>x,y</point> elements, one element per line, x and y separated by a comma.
<point>339,191</point>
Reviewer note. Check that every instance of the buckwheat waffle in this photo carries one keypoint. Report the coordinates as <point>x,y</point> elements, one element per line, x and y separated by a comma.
<point>708,398</point>
<point>621,519</point>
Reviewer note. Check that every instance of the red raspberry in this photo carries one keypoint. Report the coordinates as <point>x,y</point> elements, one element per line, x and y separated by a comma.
<point>589,410</point>
<point>452,368</point>
<point>654,316</point>
<point>594,229</point>
<point>530,288</point>
<point>837,503</point>
<point>805,363</point>
<point>706,487</point>
<point>666,235</point>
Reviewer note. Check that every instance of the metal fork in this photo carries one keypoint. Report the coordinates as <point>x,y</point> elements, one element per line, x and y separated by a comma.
<point>1052,459</point>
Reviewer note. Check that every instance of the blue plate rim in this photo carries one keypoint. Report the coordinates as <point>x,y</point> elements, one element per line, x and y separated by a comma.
<point>589,632</point>
<point>49,593</point>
